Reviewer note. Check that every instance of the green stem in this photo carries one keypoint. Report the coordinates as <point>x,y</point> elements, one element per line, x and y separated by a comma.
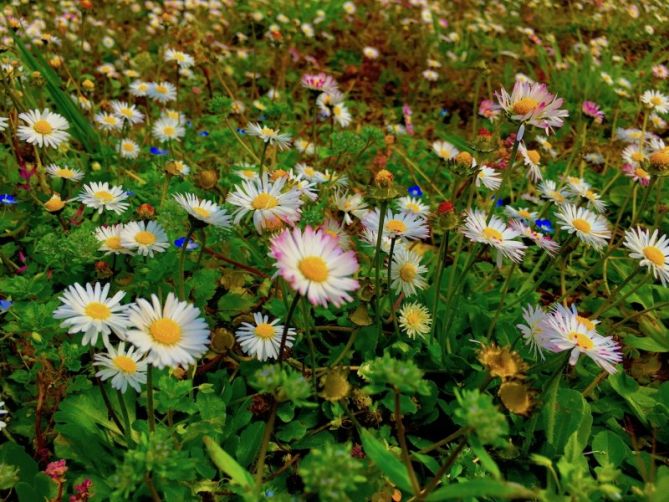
<point>505,290</point>
<point>267,434</point>
<point>149,398</point>
<point>444,468</point>
<point>182,261</point>
<point>403,445</point>
<point>262,158</point>
<point>608,305</point>
<point>289,318</point>
<point>126,418</point>
<point>110,409</point>
<point>347,347</point>
<point>634,315</point>
<point>377,262</point>
<point>443,249</point>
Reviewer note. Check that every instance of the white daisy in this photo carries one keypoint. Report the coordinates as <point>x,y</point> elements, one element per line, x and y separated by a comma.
<point>406,272</point>
<point>531,159</point>
<point>128,112</point>
<point>533,330</point>
<point>162,92</point>
<point>304,146</point>
<point>656,101</point>
<point>128,149</point>
<point>309,173</point>
<point>549,190</point>
<point>489,177</point>
<point>181,58</point>
<point>520,213</point>
<point>269,135</point>
<point>495,234</point>
<point>651,249</point>
<point>531,102</point>
<point>4,122</point>
<point>204,210</point>
<point>109,237</point>
<point>89,310</point>
<point>3,412</point>
<point>399,225</point>
<point>413,206</point>
<point>170,334</point>
<point>108,122</point>
<point>64,173</point>
<point>123,367</point>
<point>341,115</point>
<point>415,319</point>
<point>634,155</point>
<point>101,196</point>
<point>589,227</point>
<point>445,150</point>
<point>144,237</point>
<point>262,339</point>
<point>43,128</point>
<point>139,88</point>
<point>167,129</point>
<point>351,204</point>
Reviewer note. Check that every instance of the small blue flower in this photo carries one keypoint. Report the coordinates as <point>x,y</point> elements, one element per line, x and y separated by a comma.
<point>241,131</point>
<point>443,112</point>
<point>269,493</point>
<point>129,193</point>
<point>415,191</point>
<point>545,226</point>
<point>191,244</point>
<point>203,133</point>
<point>7,199</point>
<point>158,151</point>
<point>500,203</point>
<point>4,305</point>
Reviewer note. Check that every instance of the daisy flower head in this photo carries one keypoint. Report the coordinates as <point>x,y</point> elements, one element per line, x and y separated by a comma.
<point>326,101</point>
<point>657,121</point>
<point>262,339</point>
<point>659,154</point>
<point>177,168</point>
<point>162,92</point>
<point>651,249</point>
<point>566,332</point>
<point>591,228</point>
<point>415,320</point>
<point>310,173</point>
<point>342,116</point>
<point>109,237</point>
<point>370,52</point>
<point>124,367</point>
<point>269,135</point>
<point>406,272</point>
<point>489,178</point>
<point>592,110</point>
<point>127,112</point>
<point>171,334</point>
<point>102,197</point>
<point>522,213</point>
<point>4,122</point>
<point>337,230</point>
<point>90,310</point>
<point>108,121</point>
<point>128,149</point>
<point>350,204</point>
<point>533,329</point>
<point>494,233</point>
<point>167,129</point>
<point>531,159</point>
<point>144,237</point>
<point>445,150</point>
<point>637,174</point>
<point>593,200</point>
<point>3,412</point>
<point>634,155</point>
<point>315,265</point>
<point>655,101</point>
<point>203,210</point>
<point>532,103</point>
<point>64,173</point>
<point>319,82</point>
<point>413,206</point>
<point>181,58</point>
<point>43,128</point>
<point>397,225</point>
<point>304,146</point>
<point>267,200</point>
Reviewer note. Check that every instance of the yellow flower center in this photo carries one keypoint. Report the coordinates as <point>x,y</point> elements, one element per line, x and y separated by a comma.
<point>534,156</point>
<point>492,234</point>
<point>104,196</point>
<point>557,196</point>
<point>65,172</point>
<point>165,331</point>
<point>660,158</point>
<point>171,114</point>
<point>202,213</point>
<point>264,201</point>
<point>654,254</point>
<point>414,319</point>
<point>145,238</point>
<point>264,330</point>
<point>408,272</point>
<point>524,213</point>
<point>268,132</point>
<point>314,268</point>
<point>98,311</point>
<point>125,364</point>
<point>582,225</point>
<point>42,127</point>
<point>179,56</point>
<point>113,242</point>
<point>161,89</point>
<point>128,147</point>
<point>641,173</point>
<point>309,171</point>
<point>169,130</point>
<point>637,156</point>
<point>590,195</point>
<point>110,119</point>
<point>582,341</point>
<point>584,321</point>
<point>248,173</point>
<point>396,226</point>
<point>126,112</point>
<point>524,106</point>
<point>413,207</point>
<point>656,100</point>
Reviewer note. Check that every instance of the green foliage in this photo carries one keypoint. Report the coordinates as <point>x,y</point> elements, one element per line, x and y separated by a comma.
<point>331,473</point>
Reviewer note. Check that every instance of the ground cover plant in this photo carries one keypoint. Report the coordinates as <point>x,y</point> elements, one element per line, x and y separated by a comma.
<point>373,250</point>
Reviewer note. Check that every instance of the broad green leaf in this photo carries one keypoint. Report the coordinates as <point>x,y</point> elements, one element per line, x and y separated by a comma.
<point>481,488</point>
<point>249,442</point>
<point>389,464</point>
<point>486,460</point>
<point>609,447</point>
<point>227,464</point>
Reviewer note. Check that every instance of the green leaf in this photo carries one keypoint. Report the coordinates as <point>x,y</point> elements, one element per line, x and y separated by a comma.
<point>227,464</point>
<point>249,442</point>
<point>389,464</point>
<point>551,408</point>
<point>572,413</point>
<point>481,488</point>
<point>232,304</point>
<point>484,457</point>
<point>609,448</point>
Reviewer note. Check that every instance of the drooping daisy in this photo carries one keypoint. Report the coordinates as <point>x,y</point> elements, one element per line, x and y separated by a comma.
<point>139,88</point>
<point>310,173</point>
<point>128,149</point>
<point>3,412</point>
<point>326,101</point>
<point>397,225</point>
<point>304,186</point>
<point>591,228</point>
<point>531,159</point>
<point>170,334</point>
<point>110,239</point>
<point>320,82</point>
<point>337,230</point>
<point>495,234</point>
<point>65,173</point>
<point>413,206</point>
<point>351,204</point>
<point>314,264</point>
<point>267,201</point>
<point>520,213</point>
<point>162,92</point>
<point>181,58</point>
<point>532,103</point>
<point>262,339</point>
<point>656,101</point>
<point>533,330</point>
<point>637,174</point>
<point>415,320</point>
<point>406,272</point>
<point>108,121</point>
<point>594,200</point>
<point>591,109</point>
<point>444,150</point>
<point>651,249</point>
<point>89,310</point>
<point>565,332</point>
<point>123,367</point>
<point>43,128</point>
<point>166,129</point>
<point>144,237</point>
<point>489,177</point>
<point>101,196</point>
<point>550,191</point>
<point>269,135</point>
<point>127,112</point>
<point>204,210</point>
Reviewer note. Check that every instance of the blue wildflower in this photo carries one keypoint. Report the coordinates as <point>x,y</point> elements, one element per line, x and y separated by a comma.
<point>191,244</point>
<point>241,131</point>
<point>499,203</point>
<point>7,199</point>
<point>158,151</point>
<point>415,191</point>
<point>4,305</point>
<point>443,112</point>
<point>545,226</point>
<point>203,133</point>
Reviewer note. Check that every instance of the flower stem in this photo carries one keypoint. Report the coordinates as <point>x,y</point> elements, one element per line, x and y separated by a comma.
<point>149,398</point>
<point>284,335</point>
<point>443,249</point>
<point>110,409</point>
<point>262,158</point>
<point>393,241</point>
<point>182,260</point>
<point>403,445</point>
<point>377,262</point>
<point>126,418</point>
<point>505,290</point>
<point>267,434</point>
<point>609,304</point>
<point>444,468</point>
